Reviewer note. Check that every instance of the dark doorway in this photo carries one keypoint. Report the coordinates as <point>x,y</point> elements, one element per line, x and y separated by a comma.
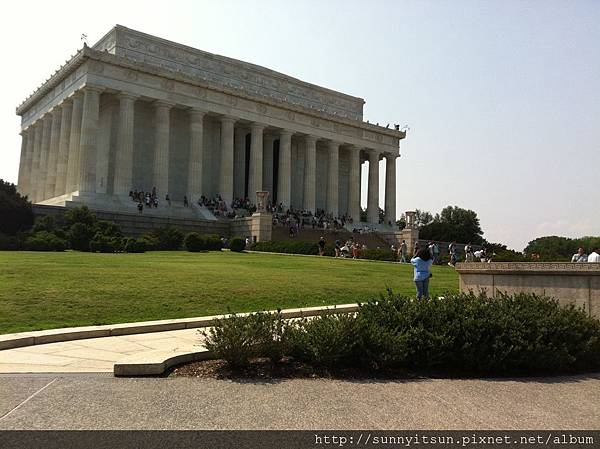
<point>275,170</point>
<point>247,164</point>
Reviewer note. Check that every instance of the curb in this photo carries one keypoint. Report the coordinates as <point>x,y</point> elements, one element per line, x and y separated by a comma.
<point>157,362</point>
<point>17,340</point>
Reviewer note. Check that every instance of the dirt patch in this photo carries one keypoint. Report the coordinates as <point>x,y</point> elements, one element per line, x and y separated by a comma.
<point>263,368</point>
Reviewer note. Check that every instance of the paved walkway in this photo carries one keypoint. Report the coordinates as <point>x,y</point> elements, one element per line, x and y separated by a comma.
<point>103,402</point>
<point>93,354</point>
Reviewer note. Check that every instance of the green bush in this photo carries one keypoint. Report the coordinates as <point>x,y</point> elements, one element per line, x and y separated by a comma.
<point>80,215</point>
<point>168,239</point>
<point>135,246</point>
<point>237,244</point>
<point>106,244</point>
<point>214,243</point>
<point>194,242</point>
<point>10,242</point>
<point>45,223</point>
<point>80,235</point>
<point>236,339</point>
<point>378,254</point>
<point>151,242</point>
<point>460,333</point>
<point>45,241</point>
<point>286,247</point>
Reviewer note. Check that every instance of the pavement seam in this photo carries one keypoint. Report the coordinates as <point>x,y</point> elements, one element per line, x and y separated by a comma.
<point>29,398</point>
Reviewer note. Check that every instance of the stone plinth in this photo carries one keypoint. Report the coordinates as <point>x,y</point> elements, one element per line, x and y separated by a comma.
<point>577,283</point>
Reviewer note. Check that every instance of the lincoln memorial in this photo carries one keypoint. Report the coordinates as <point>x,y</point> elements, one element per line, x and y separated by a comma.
<point>136,112</point>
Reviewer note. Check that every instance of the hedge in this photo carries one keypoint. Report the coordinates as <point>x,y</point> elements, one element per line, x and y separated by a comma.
<point>457,334</point>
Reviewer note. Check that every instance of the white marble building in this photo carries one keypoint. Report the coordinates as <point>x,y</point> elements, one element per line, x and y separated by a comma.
<point>136,112</point>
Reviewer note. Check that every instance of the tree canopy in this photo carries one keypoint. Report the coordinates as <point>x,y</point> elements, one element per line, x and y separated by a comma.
<point>15,210</point>
<point>453,223</point>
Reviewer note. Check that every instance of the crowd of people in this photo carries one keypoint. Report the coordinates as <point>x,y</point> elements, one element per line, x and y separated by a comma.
<point>148,199</point>
<point>296,220</point>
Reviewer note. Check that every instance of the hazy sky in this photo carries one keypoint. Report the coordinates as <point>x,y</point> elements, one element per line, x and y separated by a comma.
<point>502,97</point>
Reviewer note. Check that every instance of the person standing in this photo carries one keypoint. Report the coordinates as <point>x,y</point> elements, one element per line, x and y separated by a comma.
<point>436,253</point>
<point>321,246</point>
<point>594,256</point>
<point>422,263</point>
<point>469,256</point>
<point>453,254</point>
<point>579,256</point>
<point>403,251</point>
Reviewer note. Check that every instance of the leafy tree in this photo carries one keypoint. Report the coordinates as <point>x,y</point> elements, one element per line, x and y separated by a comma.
<point>454,223</point>
<point>15,210</point>
<point>560,248</point>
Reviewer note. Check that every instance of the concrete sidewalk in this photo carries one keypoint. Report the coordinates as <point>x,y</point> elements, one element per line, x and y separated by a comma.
<point>103,402</point>
<point>92,354</point>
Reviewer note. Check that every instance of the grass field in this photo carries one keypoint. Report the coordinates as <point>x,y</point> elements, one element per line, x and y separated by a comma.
<point>51,290</point>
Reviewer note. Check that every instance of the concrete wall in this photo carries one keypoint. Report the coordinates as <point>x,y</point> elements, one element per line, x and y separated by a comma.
<point>567,282</point>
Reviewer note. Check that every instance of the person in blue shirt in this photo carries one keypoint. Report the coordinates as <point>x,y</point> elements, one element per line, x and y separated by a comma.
<point>422,262</point>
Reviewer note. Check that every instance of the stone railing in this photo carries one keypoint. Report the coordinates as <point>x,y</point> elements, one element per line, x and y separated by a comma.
<point>577,283</point>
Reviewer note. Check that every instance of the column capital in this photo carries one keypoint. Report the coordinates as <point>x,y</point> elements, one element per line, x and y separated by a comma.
<point>227,119</point>
<point>334,144</point>
<point>163,104</point>
<point>56,111</point>
<point>92,88</point>
<point>127,96</point>
<point>256,126</point>
<point>310,138</point>
<point>285,132</point>
<point>196,113</point>
<point>76,95</point>
<point>391,156</point>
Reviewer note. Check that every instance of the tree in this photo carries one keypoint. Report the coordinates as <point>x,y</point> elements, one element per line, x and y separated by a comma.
<point>560,248</point>
<point>15,210</point>
<point>454,224</point>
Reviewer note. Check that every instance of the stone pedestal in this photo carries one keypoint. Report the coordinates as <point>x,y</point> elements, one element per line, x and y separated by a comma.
<point>262,226</point>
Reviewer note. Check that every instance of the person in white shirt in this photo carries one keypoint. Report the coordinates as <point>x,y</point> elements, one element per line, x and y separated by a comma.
<point>579,256</point>
<point>594,256</point>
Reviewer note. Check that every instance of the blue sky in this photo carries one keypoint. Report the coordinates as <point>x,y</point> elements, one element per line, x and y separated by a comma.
<point>502,97</point>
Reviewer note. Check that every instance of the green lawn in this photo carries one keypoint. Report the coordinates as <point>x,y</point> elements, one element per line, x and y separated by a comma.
<point>51,290</point>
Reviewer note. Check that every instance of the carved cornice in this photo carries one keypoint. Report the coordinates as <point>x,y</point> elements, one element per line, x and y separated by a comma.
<point>89,54</point>
<point>529,268</point>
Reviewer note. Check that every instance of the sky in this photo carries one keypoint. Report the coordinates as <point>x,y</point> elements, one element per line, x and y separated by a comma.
<point>502,98</point>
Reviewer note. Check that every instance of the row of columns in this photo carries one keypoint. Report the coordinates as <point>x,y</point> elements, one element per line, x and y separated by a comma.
<point>59,155</point>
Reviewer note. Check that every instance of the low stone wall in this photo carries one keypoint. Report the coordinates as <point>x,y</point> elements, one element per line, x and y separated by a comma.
<point>577,283</point>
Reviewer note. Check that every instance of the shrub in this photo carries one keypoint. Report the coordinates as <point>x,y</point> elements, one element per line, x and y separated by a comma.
<point>106,244</point>
<point>80,235</point>
<point>326,340</point>
<point>45,223</point>
<point>80,215</point>
<point>194,242</point>
<point>237,244</point>
<point>15,210</point>
<point>135,246</point>
<point>151,242</point>
<point>169,239</point>
<point>287,247</point>
<point>108,228</point>
<point>378,254</point>
<point>10,242</point>
<point>519,334</point>
<point>45,241</point>
<point>236,339</point>
<point>214,243</point>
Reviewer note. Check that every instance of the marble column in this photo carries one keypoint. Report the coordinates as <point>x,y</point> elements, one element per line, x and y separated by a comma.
<point>123,179</point>
<point>284,181</point>
<point>373,191</point>
<point>35,163</point>
<point>226,178</point>
<point>268,141</point>
<point>21,182</point>
<point>255,181</point>
<point>390,188</point>
<point>162,128</point>
<point>43,172</point>
<point>88,143</point>
<point>354,185</point>
<point>28,171</point>
<point>310,174</point>
<point>53,152</point>
<point>333,174</point>
<point>239,172</point>
<point>196,155</point>
<point>63,148</point>
<point>74,143</point>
